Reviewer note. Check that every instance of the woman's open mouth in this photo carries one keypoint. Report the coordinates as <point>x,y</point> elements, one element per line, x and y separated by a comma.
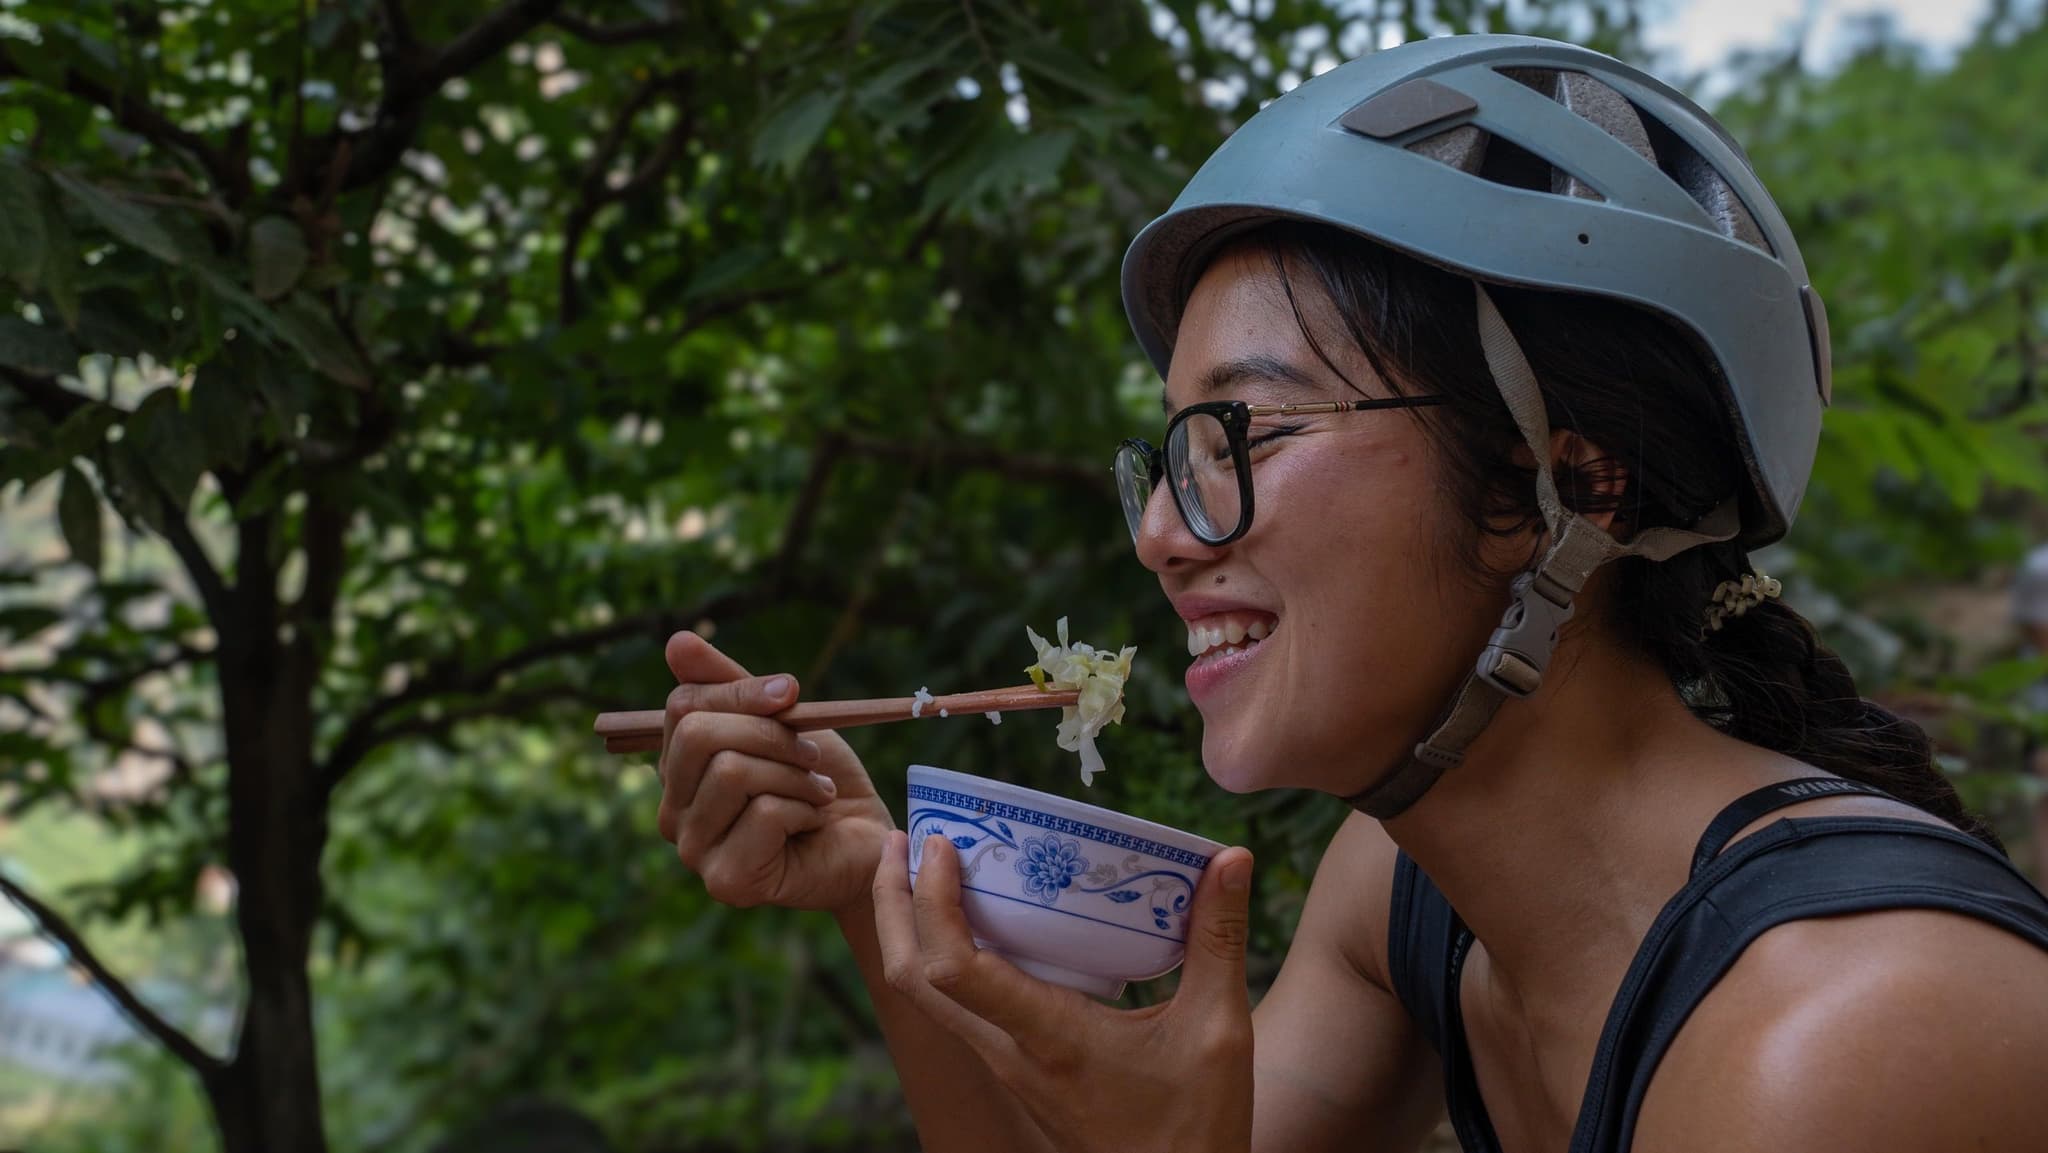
<point>1223,644</point>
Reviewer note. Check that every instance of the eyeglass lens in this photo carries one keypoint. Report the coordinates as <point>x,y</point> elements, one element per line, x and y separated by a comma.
<point>1203,474</point>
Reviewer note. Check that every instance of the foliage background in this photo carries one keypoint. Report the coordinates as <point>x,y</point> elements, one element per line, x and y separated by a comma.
<point>381,382</point>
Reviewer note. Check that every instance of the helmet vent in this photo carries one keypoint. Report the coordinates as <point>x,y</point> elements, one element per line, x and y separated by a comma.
<point>1515,166</point>
<point>1683,163</point>
<point>1462,148</point>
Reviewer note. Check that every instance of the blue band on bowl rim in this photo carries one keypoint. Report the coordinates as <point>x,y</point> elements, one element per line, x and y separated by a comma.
<point>1065,825</point>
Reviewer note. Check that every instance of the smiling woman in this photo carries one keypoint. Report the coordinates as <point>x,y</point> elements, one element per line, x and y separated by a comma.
<point>1516,363</point>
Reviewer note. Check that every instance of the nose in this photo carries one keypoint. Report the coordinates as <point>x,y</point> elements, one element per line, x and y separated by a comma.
<point>1164,540</point>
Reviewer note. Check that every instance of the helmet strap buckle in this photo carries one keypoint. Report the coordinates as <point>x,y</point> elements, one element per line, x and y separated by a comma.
<point>1518,654</point>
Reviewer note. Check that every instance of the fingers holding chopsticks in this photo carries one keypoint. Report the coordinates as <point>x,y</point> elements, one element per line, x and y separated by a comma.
<point>763,813</point>
<point>715,762</point>
<point>727,781</point>
<point>749,866</point>
<point>721,753</point>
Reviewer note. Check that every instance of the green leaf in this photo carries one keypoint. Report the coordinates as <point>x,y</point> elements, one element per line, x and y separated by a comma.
<point>45,68</point>
<point>310,329</point>
<point>89,54</point>
<point>35,348</point>
<point>21,224</point>
<point>731,266</point>
<point>221,415</point>
<point>78,513</point>
<point>1054,64</point>
<point>277,256</point>
<point>1003,165</point>
<point>164,439</point>
<point>132,224</point>
<point>83,431</point>
<point>321,30</point>
<point>788,135</point>
<point>882,90</point>
<point>267,489</point>
<point>20,622</point>
<point>129,488</point>
<point>113,321</point>
<point>27,465</point>
<point>61,261</point>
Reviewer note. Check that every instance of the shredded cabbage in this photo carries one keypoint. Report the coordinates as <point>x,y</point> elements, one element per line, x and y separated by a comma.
<point>1100,678</point>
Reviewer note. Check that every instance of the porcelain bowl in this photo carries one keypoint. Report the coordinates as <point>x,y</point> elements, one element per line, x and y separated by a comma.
<point>1072,893</point>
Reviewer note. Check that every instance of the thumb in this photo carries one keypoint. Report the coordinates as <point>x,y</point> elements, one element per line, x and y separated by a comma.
<point>1219,927</point>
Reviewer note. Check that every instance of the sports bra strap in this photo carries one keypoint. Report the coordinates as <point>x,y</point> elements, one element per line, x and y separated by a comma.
<point>1748,807</point>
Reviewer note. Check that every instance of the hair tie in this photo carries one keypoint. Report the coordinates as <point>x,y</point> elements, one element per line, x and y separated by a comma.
<point>1733,598</point>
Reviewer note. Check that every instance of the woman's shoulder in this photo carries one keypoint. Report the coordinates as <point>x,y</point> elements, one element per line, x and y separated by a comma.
<point>1898,1029</point>
<point>1350,899</point>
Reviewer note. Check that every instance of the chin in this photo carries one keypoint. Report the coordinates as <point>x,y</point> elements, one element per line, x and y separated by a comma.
<point>1237,772</point>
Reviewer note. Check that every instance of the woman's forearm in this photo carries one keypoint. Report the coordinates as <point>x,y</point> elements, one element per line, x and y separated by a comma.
<point>958,1105</point>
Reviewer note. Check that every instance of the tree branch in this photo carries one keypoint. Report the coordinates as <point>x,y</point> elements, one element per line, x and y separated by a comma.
<point>364,732</point>
<point>488,37</point>
<point>413,80</point>
<point>976,457</point>
<point>182,768</point>
<point>57,929</point>
<point>988,57</point>
<point>96,690</point>
<point>518,702</point>
<point>139,116</point>
<point>397,27</point>
<point>594,191</point>
<point>847,625</point>
<point>591,32</point>
<point>796,532</point>
<point>697,318</point>
<point>56,403</point>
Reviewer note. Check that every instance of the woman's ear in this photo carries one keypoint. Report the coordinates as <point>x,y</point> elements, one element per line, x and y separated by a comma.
<point>1590,481</point>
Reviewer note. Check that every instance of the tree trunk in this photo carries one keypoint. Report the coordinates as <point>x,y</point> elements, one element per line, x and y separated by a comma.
<point>268,1099</point>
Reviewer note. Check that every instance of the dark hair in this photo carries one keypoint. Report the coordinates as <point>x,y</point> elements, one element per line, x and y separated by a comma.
<point>1642,389</point>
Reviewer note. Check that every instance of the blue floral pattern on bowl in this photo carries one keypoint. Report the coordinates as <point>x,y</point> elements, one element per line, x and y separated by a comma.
<point>1054,868</point>
<point>1049,866</point>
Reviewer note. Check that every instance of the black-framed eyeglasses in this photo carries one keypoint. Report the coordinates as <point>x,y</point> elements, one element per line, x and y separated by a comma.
<point>1208,456</point>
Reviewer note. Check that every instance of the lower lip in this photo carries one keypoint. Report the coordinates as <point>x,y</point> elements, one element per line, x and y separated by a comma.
<point>1211,676</point>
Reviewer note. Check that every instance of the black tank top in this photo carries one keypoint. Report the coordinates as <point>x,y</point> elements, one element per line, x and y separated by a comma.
<point>1794,868</point>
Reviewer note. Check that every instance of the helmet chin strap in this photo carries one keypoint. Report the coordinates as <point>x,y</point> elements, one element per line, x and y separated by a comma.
<point>1515,659</point>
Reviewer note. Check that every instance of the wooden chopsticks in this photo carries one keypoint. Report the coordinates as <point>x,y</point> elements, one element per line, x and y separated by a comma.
<point>640,731</point>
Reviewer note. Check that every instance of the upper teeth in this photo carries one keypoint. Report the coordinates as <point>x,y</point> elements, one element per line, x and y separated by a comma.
<point>1206,635</point>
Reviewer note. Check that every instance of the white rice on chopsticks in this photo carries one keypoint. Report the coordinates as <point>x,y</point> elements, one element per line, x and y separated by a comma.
<point>1099,676</point>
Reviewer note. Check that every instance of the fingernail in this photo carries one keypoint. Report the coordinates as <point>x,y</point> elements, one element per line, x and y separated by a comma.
<point>809,749</point>
<point>775,688</point>
<point>825,784</point>
<point>1237,877</point>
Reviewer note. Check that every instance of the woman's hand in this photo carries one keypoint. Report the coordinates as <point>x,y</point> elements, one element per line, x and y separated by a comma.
<point>764,814</point>
<point>1169,1078</point>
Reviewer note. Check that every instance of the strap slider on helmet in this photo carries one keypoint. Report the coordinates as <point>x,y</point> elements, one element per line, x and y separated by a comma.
<point>1518,654</point>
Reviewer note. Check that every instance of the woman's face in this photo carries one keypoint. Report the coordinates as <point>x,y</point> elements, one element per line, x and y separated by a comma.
<point>1348,572</point>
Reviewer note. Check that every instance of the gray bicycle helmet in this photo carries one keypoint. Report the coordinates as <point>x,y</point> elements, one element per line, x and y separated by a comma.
<point>1529,162</point>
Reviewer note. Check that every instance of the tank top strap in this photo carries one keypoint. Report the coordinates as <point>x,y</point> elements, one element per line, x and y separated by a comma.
<point>1745,809</point>
<point>1422,934</point>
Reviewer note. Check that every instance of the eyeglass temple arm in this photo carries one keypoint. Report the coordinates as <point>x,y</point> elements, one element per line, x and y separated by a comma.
<point>1340,405</point>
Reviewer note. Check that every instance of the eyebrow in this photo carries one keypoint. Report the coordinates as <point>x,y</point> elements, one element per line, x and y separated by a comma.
<point>1225,375</point>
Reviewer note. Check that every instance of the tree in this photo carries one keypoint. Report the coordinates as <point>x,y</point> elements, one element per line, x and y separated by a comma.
<point>436,361</point>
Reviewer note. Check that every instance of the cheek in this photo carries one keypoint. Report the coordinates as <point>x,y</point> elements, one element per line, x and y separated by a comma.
<point>1377,624</point>
<point>1367,543</point>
